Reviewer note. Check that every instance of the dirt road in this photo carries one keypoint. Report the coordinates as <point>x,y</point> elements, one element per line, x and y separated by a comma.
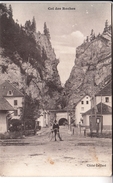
<point>75,156</point>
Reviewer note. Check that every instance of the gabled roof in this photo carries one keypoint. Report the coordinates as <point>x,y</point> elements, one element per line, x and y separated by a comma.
<point>6,86</point>
<point>106,91</point>
<point>99,107</point>
<point>4,105</point>
<point>81,99</point>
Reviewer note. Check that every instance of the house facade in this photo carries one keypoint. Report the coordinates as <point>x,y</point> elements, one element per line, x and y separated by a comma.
<point>5,107</point>
<point>103,116</point>
<point>101,108</point>
<point>104,96</point>
<point>14,97</point>
<point>42,118</point>
<point>83,105</point>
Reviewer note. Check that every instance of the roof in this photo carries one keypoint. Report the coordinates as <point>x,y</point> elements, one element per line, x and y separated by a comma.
<point>82,98</point>
<point>106,91</point>
<point>6,86</point>
<point>4,105</point>
<point>61,110</point>
<point>105,109</point>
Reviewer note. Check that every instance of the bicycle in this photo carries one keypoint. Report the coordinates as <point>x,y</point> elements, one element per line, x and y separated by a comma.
<point>51,135</point>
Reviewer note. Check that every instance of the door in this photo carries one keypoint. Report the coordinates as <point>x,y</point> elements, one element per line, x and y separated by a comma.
<point>96,124</point>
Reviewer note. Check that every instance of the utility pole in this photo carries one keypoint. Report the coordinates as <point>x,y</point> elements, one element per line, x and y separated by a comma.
<point>69,121</point>
<point>26,74</point>
<point>43,107</point>
<point>92,105</point>
<point>101,113</point>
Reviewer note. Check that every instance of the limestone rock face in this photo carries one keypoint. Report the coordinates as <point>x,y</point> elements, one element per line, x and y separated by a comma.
<point>92,69</point>
<point>43,87</point>
<point>50,61</point>
<point>10,71</point>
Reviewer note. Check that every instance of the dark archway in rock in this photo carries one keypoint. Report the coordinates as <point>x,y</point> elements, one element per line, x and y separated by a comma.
<point>63,122</point>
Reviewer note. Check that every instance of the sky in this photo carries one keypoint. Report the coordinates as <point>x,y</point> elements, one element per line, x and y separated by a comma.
<point>68,28</point>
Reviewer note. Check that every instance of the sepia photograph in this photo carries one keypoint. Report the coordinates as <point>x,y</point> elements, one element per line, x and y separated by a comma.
<point>55,89</point>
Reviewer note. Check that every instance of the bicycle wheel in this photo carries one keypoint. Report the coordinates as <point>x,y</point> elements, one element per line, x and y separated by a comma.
<point>50,136</point>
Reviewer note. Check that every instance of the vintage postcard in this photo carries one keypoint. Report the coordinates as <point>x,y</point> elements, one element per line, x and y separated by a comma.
<point>55,89</point>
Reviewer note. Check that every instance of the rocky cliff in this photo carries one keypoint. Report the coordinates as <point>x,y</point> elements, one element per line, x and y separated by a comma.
<point>92,69</point>
<point>43,85</point>
<point>27,60</point>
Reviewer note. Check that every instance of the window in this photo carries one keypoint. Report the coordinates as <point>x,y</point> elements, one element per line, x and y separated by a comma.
<point>10,93</point>
<point>87,102</point>
<point>82,108</point>
<point>4,87</point>
<point>15,102</point>
<point>87,97</point>
<point>82,102</point>
<point>15,112</point>
<point>98,120</point>
<point>106,99</point>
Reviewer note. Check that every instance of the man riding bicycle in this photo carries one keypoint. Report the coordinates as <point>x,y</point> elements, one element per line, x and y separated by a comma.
<point>56,130</point>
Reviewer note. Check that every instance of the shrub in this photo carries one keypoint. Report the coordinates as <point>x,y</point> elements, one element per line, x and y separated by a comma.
<point>29,124</point>
<point>15,125</point>
<point>11,135</point>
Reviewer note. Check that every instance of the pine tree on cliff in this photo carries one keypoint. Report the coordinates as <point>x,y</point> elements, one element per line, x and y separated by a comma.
<point>46,31</point>
<point>106,26</point>
<point>33,25</point>
<point>3,8</point>
<point>10,11</point>
<point>92,35</point>
<point>87,39</point>
<point>30,26</point>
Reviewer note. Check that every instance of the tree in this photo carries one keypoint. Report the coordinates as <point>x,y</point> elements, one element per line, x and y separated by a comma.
<point>44,55</point>
<point>28,25</point>
<point>3,7</point>
<point>92,35</point>
<point>10,11</point>
<point>92,32</point>
<point>46,31</point>
<point>87,39</point>
<point>33,26</point>
<point>106,24</point>
<point>31,108</point>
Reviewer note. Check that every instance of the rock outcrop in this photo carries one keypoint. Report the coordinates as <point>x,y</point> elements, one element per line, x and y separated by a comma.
<point>44,87</point>
<point>92,69</point>
<point>27,60</point>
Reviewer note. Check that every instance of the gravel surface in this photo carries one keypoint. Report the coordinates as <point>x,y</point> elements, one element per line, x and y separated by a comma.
<point>37,156</point>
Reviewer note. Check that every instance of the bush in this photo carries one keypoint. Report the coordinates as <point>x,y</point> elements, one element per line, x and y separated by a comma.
<point>16,135</point>
<point>29,124</point>
<point>29,132</point>
<point>15,125</point>
<point>11,135</point>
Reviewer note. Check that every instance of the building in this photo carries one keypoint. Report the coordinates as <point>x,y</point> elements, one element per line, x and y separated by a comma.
<point>47,117</point>
<point>14,97</point>
<point>5,107</point>
<point>83,105</point>
<point>101,109</point>
<point>103,116</point>
<point>104,95</point>
<point>42,118</point>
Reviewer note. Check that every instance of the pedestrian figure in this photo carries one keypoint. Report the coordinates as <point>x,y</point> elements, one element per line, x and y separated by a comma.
<point>56,130</point>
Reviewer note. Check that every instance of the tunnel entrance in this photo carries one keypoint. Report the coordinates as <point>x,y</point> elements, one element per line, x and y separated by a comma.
<point>63,122</point>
